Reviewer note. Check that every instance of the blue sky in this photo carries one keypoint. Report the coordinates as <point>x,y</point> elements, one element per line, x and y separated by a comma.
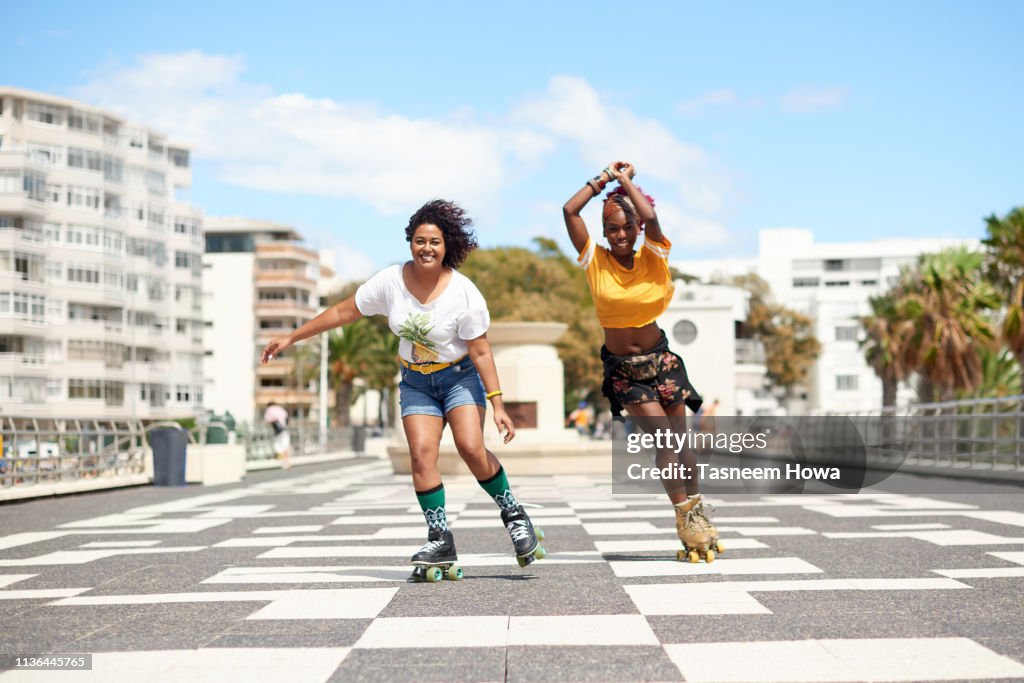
<point>855,120</point>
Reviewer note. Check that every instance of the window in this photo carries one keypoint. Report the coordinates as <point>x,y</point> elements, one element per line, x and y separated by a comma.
<point>45,155</point>
<point>179,157</point>
<point>846,382</point>
<point>87,159</point>
<point>847,332</point>
<point>833,265</point>
<point>684,332</point>
<point>838,283</point>
<point>79,120</point>
<point>34,185</point>
<point>805,282</point>
<point>87,198</point>
<point>79,389</point>
<point>45,113</point>
<point>869,283</point>
<point>113,169</point>
<point>184,393</point>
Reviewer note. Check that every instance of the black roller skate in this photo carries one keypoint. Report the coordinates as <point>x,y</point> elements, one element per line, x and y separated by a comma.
<point>437,559</point>
<point>524,537</point>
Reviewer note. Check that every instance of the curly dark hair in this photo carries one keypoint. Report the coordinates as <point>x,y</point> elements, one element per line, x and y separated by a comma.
<point>455,226</point>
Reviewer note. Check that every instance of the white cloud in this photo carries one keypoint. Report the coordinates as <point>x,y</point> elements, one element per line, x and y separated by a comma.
<point>716,98</point>
<point>572,110</point>
<point>804,100</point>
<point>290,142</point>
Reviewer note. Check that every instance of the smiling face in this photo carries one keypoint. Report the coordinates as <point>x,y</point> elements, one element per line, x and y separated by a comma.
<point>620,232</point>
<point>427,246</point>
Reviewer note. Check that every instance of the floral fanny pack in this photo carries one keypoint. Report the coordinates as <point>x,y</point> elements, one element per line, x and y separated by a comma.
<point>641,367</point>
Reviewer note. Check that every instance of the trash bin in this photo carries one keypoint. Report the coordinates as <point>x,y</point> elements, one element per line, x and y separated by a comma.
<point>359,439</point>
<point>169,446</point>
<point>216,433</point>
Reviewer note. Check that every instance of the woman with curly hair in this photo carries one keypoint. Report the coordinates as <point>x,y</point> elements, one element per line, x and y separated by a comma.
<point>448,374</point>
<point>631,289</point>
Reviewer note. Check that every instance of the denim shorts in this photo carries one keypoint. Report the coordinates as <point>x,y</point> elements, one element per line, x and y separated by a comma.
<point>440,392</point>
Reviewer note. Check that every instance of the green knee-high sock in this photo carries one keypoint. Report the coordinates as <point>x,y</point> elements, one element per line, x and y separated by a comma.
<point>497,488</point>
<point>432,504</point>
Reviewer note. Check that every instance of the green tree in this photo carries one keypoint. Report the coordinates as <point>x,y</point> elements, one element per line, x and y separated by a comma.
<point>544,285</point>
<point>1005,268</point>
<point>950,305</point>
<point>790,346</point>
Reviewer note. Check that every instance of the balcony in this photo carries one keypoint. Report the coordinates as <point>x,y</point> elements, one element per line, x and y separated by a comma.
<point>295,277</point>
<point>287,250</point>
<point>287,309</point>
<point>749,352</point>
<point>25,364</point>
<point>286,396</point>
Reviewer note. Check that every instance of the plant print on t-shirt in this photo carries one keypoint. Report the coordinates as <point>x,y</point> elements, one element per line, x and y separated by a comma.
<point>414,330</point>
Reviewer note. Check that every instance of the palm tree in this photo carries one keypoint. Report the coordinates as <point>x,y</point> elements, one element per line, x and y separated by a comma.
<point>1005,254</point>
<point>950,305</point>
<point>346,360</point>
<point>1000,375</point>
<point>885,346</point>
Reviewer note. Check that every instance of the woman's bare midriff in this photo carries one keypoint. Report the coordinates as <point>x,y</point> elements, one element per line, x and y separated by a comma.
<point>631,341</point>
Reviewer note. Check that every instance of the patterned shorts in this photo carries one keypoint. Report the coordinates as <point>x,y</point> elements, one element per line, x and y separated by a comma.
<point>661,378</point>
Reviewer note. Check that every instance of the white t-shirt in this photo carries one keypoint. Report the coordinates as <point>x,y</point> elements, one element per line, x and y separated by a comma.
<point>431,333</point>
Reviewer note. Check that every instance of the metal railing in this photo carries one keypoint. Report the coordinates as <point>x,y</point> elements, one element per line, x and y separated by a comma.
<point>974,434</point>
<point>40,451</point>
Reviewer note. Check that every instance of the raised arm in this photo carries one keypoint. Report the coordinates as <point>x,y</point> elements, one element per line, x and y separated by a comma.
<point>624,173</point>
<point>571,211</point>
<point>339,314</point>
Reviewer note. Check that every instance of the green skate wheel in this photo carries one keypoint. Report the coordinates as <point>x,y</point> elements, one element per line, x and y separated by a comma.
<point>522,561</point>
<point>540,534</point>
<point>540,553</point>
<point>434,574</point>
<point>454,573</point>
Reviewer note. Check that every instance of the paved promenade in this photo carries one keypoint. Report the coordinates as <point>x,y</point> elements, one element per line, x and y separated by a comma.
<point>299,576</point>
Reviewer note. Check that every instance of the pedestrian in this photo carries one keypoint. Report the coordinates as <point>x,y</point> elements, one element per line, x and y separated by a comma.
<point>277,417</point>
<point>582,418</point>
<point>447,370</point>
<point>631,288</point>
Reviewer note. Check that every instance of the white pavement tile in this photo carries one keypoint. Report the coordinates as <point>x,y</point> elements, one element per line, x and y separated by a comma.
<point>949,537</point>
<point>27,537</point>
<point>679,599</point>
<point>120,544</point>
<point>358,603</point>
<point>282,541</point>
<point>300,529</point>
<point>989,572</point>
<point>896,659</point>
<point>466,560</point>
<point>669,545</point>
<point>998,516</point>
<point>84,556</point>
<point>613,629</point>
<point>909,527</point>
<point>234,511</point>
<point>439,632</point>
<point>623,529</point>
<point>727,567</point>
<point>42,593</point>
<point>272,665</point>
<point>9,579</point>
<point>308,575</point>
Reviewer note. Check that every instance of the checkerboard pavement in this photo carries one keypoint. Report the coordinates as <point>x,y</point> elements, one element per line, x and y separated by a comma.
<point>301,576</point>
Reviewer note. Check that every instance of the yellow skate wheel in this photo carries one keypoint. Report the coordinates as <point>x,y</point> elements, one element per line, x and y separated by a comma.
<point>454,573</point>
<point>434,574</point>
<point>540,534</point>
<point>719,547</point>
<point>693,557</point>
<point>709,556</point>
<point>681,556</point>
<point>540,553</point>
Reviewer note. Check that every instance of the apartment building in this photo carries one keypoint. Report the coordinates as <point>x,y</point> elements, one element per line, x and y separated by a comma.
<point>100,265</point>
<point>259,281</point>
<point>832,283</point>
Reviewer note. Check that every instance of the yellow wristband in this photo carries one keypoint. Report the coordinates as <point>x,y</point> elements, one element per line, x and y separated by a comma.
<point>491,395</point>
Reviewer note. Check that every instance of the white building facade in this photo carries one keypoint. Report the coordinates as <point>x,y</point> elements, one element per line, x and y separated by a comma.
<point>100,308</point>
<point>259,282</point>
<point>831,283</point>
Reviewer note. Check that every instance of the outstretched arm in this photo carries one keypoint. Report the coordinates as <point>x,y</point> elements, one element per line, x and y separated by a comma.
<point>337,315</point>
<point>624,173</point>
<point>571,211</point>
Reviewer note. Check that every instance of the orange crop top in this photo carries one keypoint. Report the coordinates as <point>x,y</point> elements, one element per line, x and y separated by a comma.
<point>628,297</point>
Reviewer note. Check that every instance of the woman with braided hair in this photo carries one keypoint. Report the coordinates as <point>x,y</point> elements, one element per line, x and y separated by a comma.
<point>631,288</point>
<point>448,374</point>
